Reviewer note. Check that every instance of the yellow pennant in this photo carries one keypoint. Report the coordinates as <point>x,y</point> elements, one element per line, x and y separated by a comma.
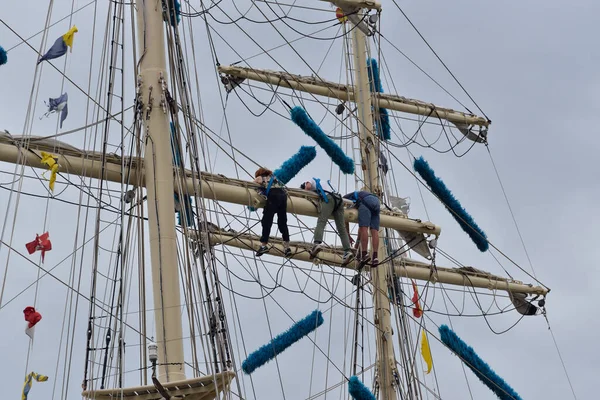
<point>51,162</point>
<point>426,351</point>
<point>69,36</point>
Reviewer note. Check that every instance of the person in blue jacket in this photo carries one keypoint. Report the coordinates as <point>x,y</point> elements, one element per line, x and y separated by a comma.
<point>368,218</point>
<point>330,204</point>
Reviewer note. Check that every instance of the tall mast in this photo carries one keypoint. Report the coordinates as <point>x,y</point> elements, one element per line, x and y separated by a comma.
<point>369,149</point>
<point>159,190</point>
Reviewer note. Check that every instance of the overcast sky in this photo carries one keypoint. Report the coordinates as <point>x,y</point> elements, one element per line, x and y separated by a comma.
<point>533,69</point>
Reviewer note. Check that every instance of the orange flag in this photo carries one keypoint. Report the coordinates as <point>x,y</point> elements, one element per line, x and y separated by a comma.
<point>417,311</point>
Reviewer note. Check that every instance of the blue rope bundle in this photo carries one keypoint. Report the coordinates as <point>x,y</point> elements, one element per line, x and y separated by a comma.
<point>177,13</point>
<point>385,131</point>
<point>295,163</point>
<point>463,218</point>
<point>334,151</point>
<point>358,390</point>
<point>186,201</point>
<point>276,346</point>
<point>374,78</point>
<point>174,11</point>
<point>477,365</point>
<point>3,56</point>
<point>174,148</point>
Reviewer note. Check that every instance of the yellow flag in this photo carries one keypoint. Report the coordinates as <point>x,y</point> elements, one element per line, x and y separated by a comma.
<point>52,162</point>
<point>69,36</point>
<point>426,351</point>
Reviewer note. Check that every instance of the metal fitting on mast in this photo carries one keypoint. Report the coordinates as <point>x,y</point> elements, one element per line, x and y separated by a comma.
<point>153,356</point>
<point>163,94</point>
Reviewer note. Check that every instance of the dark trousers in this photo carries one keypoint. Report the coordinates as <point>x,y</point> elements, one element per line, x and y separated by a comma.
<point>276,204</point>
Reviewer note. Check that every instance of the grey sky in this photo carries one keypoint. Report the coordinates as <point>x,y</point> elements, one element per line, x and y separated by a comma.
<point>533,69</point>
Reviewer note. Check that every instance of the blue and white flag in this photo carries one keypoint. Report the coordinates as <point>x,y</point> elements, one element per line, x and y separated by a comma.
<point>58,104</point>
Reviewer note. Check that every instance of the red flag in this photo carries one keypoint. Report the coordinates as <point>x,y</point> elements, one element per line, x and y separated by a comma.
<point>339,14</point>
<point>41,242</point>
<point>32,316</point>
<point>417,311</point>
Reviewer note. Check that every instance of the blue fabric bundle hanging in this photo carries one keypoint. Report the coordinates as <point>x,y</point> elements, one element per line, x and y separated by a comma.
<point>385,130</point>
<point>60,46</point>
<point>174,8</point>
<point>186,204</point>
<point>183,209</point>
<point>295,163</point>
<point>477,365</point>
<point>463,218</point>
<point>374,77</point>
<point>358,390</point>
<point>276,346</point>
<point>3,56</point>
<point>175,148</point>
<point>313,130</point>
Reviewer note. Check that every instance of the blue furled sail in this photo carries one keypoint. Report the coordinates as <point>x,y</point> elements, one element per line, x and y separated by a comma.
<point>276,346</point>
<point>384,117</point>
<point>386,130</point>
<point>174,8</point>
<point>358,390</point>
<point>182,203</point>
<point>374,77</point>
<point>295,163</point>
<point>3,56</point>
<point>313,130</point>
<point>180,206</point>
<point>477,365</point>
<point>175,148</point>
<point>463,218</point>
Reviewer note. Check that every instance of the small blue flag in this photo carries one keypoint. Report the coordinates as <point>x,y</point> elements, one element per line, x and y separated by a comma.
<point>58,104</point>
<point>58,49</point>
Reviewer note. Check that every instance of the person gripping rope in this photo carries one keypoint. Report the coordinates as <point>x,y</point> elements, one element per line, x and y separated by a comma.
<point>330,204</point>
<point>276,204</point>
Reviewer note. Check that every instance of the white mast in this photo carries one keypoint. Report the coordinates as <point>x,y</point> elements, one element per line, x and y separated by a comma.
<point>369,149</point>
<point>159,190</point>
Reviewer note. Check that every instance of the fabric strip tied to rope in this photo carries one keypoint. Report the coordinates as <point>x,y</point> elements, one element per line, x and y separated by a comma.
<point>52,162</point>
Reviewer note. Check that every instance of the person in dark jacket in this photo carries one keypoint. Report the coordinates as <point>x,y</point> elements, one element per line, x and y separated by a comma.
<point>276,204</point>
<point>368,218</point>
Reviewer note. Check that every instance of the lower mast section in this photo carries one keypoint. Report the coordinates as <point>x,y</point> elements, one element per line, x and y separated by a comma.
<point>159,188</point>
